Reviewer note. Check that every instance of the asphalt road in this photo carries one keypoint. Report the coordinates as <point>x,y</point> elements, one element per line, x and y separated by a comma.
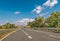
<point>32,35</point>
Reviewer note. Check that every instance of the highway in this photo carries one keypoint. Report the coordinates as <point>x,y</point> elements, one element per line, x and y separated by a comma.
<point>32,35</point>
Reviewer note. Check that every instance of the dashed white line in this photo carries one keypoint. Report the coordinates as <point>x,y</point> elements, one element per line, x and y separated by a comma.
<point>23,31</point>
<point>29,37</point>
<point>27,34</point>
<point>45,33</point>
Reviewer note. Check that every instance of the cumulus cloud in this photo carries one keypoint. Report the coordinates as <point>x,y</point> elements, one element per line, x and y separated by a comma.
<point>50,3</point>
<point>37,9</point>
<point>24,21</point>
<point>17,12</point>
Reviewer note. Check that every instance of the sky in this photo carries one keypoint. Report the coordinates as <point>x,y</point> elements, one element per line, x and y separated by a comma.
<point>20,12</point>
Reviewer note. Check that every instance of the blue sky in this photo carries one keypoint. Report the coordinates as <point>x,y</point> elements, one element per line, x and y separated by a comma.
<point>19,11</point>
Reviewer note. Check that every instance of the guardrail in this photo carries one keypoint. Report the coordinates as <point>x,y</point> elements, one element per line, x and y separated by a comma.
<point>51,29</point>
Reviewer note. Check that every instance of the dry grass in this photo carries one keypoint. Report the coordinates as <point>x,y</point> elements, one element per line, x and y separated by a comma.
<point>3,33</point>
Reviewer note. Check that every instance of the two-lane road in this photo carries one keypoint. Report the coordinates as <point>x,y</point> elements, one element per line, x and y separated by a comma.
<point>30,35</point>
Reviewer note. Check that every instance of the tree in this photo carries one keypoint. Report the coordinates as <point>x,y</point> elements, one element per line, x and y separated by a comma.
<point>40,21</point>
<point>12,26</point>
<point>53,19</point>
<point>8,25</point>
<point>0,27</point>
<point>3,27</point>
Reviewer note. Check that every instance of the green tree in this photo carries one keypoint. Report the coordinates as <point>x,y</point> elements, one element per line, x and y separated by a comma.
<point>8,25</point>
<point>53,19</point>
<point>12,26</point>
<point>40,21</point>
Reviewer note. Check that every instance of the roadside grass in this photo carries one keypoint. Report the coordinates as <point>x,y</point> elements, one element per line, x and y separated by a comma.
<point>4,32</point>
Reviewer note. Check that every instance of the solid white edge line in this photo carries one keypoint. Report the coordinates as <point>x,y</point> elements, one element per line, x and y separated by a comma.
<point>7,35</point>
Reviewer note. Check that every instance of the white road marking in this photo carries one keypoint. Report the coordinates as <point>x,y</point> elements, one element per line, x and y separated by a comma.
<point>45,33</point>
<point>54,36</point>
<point>27,34</point>
<point>8,35</point>
<point>23,31</point>
<point>29,37</point>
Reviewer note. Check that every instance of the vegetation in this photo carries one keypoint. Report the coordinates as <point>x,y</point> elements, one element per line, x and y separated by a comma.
<point>5,32</point>
<point>8,26</point>
<point>6,29</point>
<point>53,21</point>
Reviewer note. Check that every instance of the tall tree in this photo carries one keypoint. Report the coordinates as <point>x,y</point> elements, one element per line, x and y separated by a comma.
<point>40,21</point>
<point>54,19</point>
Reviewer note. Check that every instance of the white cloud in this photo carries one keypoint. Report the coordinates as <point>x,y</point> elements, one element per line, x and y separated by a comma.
<point>47,3</point>
<point>24,21</point>
<point>53,3</point>
<point>43,14</point>
<point>37,9</point>
<point>17,12</point>
<point>50,3</point>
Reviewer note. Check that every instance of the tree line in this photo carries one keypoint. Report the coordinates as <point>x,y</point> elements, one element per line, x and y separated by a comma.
<point>8,26</point>
<point>53,21</point>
